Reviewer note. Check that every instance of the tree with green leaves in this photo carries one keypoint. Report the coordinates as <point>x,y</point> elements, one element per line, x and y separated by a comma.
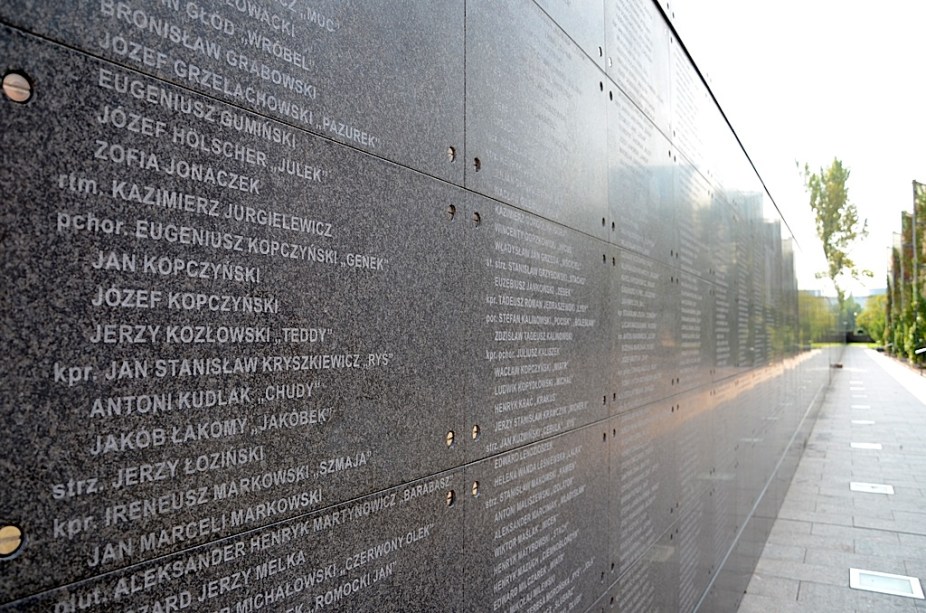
<point>817,318</point>
<point>873,318</point>
<point>837,221</point>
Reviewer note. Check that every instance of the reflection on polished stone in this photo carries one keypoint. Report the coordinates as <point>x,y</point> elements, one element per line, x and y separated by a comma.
<point>465,307</point>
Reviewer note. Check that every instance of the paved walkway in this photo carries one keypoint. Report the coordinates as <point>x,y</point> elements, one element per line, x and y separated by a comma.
<point>824,528</point>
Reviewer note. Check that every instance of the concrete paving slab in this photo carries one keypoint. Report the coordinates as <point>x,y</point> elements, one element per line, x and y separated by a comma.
<point>755,603</point>
<point>823,527</point>
<point>776,587</point>
<point>819,597</point>
<point>791,553</point>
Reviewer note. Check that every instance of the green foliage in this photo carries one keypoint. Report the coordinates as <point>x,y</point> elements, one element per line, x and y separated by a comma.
<point>817,317</point>
<point>848,312</point>
<point>916,332</point>
<point>873,318</point>
<point>890,306</point>
<point>897,340</point>
<point>906,310</point>
<point>907,334</point>
<point>837,221</point>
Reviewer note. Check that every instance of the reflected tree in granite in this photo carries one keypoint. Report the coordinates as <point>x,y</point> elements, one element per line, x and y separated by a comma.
<point>873,318</point>
<point>837,220</point>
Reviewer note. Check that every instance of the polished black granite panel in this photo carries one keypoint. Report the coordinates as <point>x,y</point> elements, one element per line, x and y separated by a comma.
<point>722,221</point>
<point>537,327</point>
<point>645,493</point>
<point>742,310</point>
<point>696,337</point>
<point>377,553</point>
<point>583,22</point>
<point>694,203</point>
<point>691,109</point>
<point>695,556</point>
<point>195,335</point>
<point>605,602</point>
<point>535,117</point>
<point>721,477</point>
<point>694,445</point>
<point>534,519</point>
<point>278,335</point>
<point>650,584</point>
<point>386,78</point>
<point>637,50</point>
<point>641,183</point>
<point>645,337</point>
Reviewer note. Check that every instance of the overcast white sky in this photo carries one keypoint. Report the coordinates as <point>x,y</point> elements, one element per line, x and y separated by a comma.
<point>808,80</point>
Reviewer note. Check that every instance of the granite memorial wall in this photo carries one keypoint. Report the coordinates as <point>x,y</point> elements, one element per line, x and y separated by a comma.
<point>443,306</point>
